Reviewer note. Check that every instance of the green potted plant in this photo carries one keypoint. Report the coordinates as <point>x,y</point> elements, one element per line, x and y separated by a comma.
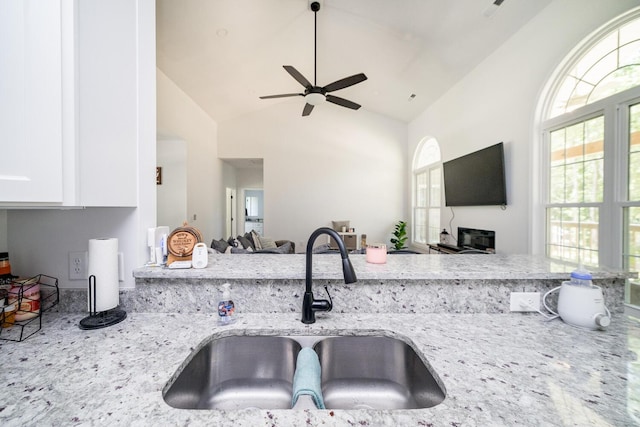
<point>399,236</point>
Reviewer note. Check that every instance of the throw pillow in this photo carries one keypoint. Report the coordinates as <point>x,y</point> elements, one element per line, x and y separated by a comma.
<point>256,239</point>
<point>249,237</point>
<point>284,249</point>
<point>241,250</point>
<point>220,245</point>
<point>267,243</point>
<point>235,243</point>
<point>321,249</point>
<point>246,243</point>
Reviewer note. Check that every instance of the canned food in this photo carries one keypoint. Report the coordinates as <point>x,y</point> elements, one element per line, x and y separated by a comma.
<point>8,316</point>
<point>5,266</point>
<point>26,296</point>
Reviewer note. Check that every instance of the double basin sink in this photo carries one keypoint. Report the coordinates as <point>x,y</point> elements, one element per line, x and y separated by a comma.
<point>357,372</point>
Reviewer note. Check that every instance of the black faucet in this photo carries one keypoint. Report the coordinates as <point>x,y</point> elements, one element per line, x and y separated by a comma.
<point>309,304</point>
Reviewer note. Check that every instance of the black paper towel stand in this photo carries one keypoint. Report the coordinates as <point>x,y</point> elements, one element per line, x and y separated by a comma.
<point>102,319</point>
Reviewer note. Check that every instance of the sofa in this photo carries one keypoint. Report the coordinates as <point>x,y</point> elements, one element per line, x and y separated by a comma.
<point>253,243</point>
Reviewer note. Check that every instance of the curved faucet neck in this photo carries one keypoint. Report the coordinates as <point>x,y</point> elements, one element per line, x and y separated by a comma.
<point>309,254</point>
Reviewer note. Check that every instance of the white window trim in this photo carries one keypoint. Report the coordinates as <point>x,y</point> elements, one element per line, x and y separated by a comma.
<point>414,173</point>
<point>428,168</point>
<point>615,111</point>
<point>539,180</point>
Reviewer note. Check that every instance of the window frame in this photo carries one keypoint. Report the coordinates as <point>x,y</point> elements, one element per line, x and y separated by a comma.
<point>611,228</point>
<point>615,110</point>
<point>426,168</point>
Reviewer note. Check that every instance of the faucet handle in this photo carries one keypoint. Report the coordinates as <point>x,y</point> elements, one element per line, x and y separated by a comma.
<point>329,295</point>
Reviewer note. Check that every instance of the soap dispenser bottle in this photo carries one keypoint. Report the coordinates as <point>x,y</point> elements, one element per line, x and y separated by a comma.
<point>226,307</point>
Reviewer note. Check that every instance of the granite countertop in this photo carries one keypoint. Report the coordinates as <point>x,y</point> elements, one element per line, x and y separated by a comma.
<point>398,267</point>
<point>498,370</point>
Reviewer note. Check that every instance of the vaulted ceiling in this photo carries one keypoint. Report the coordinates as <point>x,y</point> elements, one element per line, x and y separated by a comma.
<point>226,53</point>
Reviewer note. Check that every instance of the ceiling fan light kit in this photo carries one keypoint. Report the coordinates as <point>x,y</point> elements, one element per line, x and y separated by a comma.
<point>314,98</point>
<point>314,94</point>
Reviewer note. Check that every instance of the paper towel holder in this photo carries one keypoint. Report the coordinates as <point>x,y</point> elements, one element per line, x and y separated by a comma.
<point>102,319</point>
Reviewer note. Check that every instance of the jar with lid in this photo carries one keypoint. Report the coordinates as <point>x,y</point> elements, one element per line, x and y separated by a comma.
<point>5,265</point>
<point>26,296</point>
<point>581,277</point>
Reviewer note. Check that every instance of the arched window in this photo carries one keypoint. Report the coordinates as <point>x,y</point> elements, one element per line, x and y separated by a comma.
<point>591,152</point>
<point>427,173</point>
<point>610,66</point>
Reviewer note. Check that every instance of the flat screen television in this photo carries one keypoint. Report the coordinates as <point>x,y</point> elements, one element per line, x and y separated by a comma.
<point>477,179</point>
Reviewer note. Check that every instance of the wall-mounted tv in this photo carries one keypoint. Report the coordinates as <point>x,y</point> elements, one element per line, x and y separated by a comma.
<point>477,179</point>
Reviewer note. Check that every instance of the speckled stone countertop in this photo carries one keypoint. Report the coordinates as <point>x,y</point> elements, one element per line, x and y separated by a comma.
<point>422,284</point>
<point>397,267</point>
<point>498,370</point>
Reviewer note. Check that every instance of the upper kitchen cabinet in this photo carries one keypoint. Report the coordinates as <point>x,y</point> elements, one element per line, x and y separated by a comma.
<point>31,102</point>
<point>69,82</point>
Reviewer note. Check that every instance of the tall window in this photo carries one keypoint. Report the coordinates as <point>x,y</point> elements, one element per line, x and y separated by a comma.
<point>576,185</point>
<point>631,207</point>
<point>592,154</point>
<point>427,173</point>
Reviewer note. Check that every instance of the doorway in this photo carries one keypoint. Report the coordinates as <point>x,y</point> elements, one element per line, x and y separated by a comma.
<point>254,211</point>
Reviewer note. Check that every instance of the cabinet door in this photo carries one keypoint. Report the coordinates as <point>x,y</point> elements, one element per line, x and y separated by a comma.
<point>30,102</point>
<point>108,59</point>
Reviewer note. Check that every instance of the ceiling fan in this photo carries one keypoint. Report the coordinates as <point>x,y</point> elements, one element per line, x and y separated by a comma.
<point>314,94</point>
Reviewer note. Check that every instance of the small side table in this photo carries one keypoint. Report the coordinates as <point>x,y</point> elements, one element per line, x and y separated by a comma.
<point>350,241</point>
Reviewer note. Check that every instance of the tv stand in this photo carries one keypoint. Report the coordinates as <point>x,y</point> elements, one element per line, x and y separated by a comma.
<point>441,249</point>
<point>451,250</point>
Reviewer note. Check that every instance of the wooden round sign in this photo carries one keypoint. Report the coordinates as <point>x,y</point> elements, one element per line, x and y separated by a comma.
<point>182,240</point>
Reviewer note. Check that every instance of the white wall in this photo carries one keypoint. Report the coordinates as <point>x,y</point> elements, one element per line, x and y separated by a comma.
<point>179,117</point>
<point>4,245</point>
<point>497,102</point>
<point>335,164</point>
<point>40,240</point>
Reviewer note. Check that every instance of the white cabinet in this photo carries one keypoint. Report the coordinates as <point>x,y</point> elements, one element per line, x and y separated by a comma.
<point>70,120</point>
<point>350,241</point>
<point>108,102</point>
<point>257,226</point>
<point>31,101</point>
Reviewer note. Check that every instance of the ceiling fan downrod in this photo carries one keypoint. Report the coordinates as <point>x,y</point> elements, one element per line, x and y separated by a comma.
<point>315,7</point>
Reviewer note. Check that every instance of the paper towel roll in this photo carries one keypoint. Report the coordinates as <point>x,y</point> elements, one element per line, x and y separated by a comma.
<point>103,264</point>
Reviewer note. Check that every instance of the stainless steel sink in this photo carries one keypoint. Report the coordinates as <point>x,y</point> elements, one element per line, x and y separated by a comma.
<point>358,372</point>
<point>237,372</point>
<point>373,372</point>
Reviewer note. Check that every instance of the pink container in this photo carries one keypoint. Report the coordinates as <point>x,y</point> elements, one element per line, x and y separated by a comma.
<point>377,253</point>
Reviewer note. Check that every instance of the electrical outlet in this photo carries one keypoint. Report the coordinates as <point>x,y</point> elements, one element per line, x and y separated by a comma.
<point>525,301</point>
<point>77,266</point>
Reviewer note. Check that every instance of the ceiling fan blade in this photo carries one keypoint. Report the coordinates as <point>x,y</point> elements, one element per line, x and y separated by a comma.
<point>298,76</point>
<point>307,109</point>
<point>343,102</point>
<point>346,82</point>
<point>284,95</point>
